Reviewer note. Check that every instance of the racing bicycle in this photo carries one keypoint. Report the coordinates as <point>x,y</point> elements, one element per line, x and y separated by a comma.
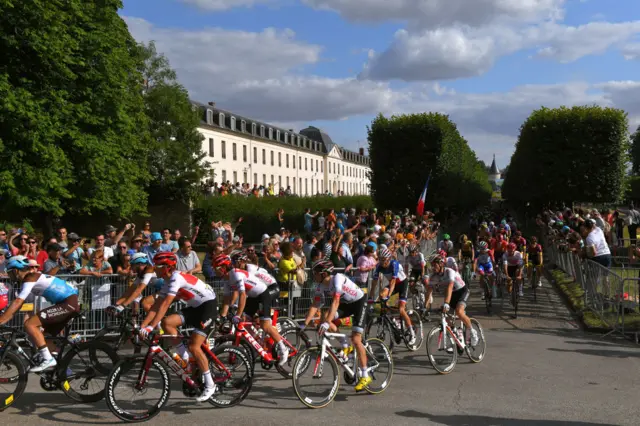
<point>391,328</point>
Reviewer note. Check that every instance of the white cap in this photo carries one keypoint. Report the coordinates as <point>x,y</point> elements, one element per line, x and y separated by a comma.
<point>265,237</point>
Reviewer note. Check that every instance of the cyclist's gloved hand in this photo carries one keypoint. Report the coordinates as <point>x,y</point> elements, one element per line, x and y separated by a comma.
<point>236,320</point>
<point>446,307</point>
<point>145,331</point>
<point>323,327</point>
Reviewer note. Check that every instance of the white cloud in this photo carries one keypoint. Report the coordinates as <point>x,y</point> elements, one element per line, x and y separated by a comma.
<point>219,5</point>
<point>631,51</point>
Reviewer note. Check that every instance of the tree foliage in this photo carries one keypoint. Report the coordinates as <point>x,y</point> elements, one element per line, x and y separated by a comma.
<point>569,154</point>
<point>73,132</point>
<point>634,152</point>
<point>405,148</point>
<point>175,159</point>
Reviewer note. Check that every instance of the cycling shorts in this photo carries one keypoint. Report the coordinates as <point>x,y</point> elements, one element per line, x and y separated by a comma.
<point>202,318</point>
<point>533,259</point>
<point>415,274</point>
<point>402,289</point>
<point>460,297</point>
<point>268,299</point>
<point>485,268</point>
<point>358,310</point>
<point>56,317</point>
<point>512,271</point>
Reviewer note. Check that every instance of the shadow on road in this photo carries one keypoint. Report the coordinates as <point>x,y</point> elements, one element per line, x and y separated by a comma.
<point>470,420</point>
<point>600,352</point>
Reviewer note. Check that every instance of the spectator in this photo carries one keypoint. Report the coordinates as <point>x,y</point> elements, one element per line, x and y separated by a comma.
<point>207,267</point>
<point>124,268</point>
<point>632,224</point>
<point>155,247</point>
<point>97,266</point>
<point>265,244</point>
<point>272,255</point>
<point>136,243</point>
<point>62,238</point>
<point>116,260</point>
<point>331,219</point>
<point>54,264</point>
<point>595,244</point>
<point>106,251</point>
<point>3,262</point>
<point>287,266</point>
<point>4,244</point>
<point>279,220</point>
<point>167,243</point>
<point>146,231</point>
<point>32,250</point>
<point>43,254</point>
<point>308,246</point>
<point>618,223</point>
<point>74,253</point>
<point>21,246</point>
<point>321,221</point>
<point>347,243</point>
<point>301,260</point>
<point>308,220</point>
<point>112,237</point>
<point>252,255</point>
<point>366,264</point>
<point>188,259</point>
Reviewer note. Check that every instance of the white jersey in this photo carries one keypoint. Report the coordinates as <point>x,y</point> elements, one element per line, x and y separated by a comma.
<point>447,277</point>
<point>340,286</point>
<point>514,260</point>
<point>252,283</point>
<point>416,262</point>
<point>452,264</point>
<point>53,289</point>
<point>188,288</point>
<point>148,278</point>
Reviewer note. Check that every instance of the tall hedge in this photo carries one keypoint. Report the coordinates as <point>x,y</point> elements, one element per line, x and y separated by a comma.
<point>567,155</point>
<point>259,214</point>
<point>405,148</point>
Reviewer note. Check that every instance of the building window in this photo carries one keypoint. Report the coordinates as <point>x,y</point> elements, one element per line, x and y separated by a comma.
<point>243,126</point>
<point>271,158</point>
<point>244,153</point>
<point>279,159</point>
<point>244,176</point>
<point>255,155</point>
<point>322,186</point>
<point>210,147</point>
<point>294,185</point>
<point>224,176</point>
<point>287,181</point>
<point>343,171</point>
<point>311,186</point>
<point>262,131</point>
<point>233,123</point>
<point>287,159</point>
<point>253,129</point>
<point>312,170</point>
<point>300,186</point>
<point>294,161</point>
<point>272,179</point>
<point>234,151</point>
<point>255,178</point>
<point>264,180</point>
<point>270,133</point>
<point>322,166</point>
<point>264,156</point>
<point>278,135</point>
<point>306,188</point>
<point>235,178</point>
<point>316,165</point>
<point>300,166</point>
<point>209,117</point>
<point>279,182</point>
<point>305,164</point>
<point>286,137</point>
<point>224,149</point>
<point>221,120</point>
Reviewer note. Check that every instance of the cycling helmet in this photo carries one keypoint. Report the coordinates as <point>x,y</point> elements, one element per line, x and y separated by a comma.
<point>518,234</point>
<point>413,247</point>
<point>463,238</point>
<point>446,237</point>
<point>484,224</point>
<point>239,256</point>
<point>165,259</point>
<point>384,254</point>
<point>18,263</point>
<point>482,245</point>
<point>491,223</point>
<point>322,265</point>
<point>222,261</point>
<point>436,258</point>
<point>442,254</point>
<point>139,259</point>
<point>566,229</point>
<point>511,247</point>
<point>503,222</point>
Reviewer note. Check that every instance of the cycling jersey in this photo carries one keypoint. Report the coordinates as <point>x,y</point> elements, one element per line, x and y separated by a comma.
<point>341,286</point>
<point>452,264</point>
<point>188,288</point>
<point>416,262</point>
<point>483,258</point>
<point>446,246</point>
<point>53,289</point>
<point>147,278</point>
<point>252,283</point>
<point>447,277</point>
<point>514,259</point>
<point>391,272</point>
<point>520,243</point>
<point>534,250</point>
<point>467,249</point>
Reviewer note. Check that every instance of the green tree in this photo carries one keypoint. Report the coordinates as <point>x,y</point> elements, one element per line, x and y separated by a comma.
<point>176,158</point>
<point>634,152</point>
<point>405,148</point>
<point>73,131</point>
<point>567,155</point>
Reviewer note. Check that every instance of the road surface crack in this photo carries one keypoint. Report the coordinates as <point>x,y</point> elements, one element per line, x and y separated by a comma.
<point>458,397</point>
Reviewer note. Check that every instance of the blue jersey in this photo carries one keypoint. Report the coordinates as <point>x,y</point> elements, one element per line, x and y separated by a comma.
<point>393,271</point>
<point>53,289</point>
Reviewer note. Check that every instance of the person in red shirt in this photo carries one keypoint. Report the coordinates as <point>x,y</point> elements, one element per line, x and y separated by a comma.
<point>43,255</point>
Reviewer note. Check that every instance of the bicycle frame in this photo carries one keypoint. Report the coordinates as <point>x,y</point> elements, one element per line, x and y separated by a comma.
<point>326,347</point>
<point>445,324</point>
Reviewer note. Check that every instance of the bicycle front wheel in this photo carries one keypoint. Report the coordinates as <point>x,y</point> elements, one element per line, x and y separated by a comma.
<point>379,364</point>
<point>315,380</point>
<point>234,379</point>
<point>83,371</point>
<point>13,379</point>
<point>416,323</point>
<point>378,328</point>
<point>298,342</point>
<point>132,401</point>
<point>441,350</point>
<point>476,353</point>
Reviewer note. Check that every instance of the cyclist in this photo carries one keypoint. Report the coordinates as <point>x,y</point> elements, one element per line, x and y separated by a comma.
<point>200,313</point>
<point>416,262</point>
<point>53,319</point>
<point>519,241</point>
<point>450,261</point>
<point>446,244</point>
<point>252,286</point>
<point>466,252</point>
<point>534,258</point>
<point>392,271</point>
<point>456,293</point>
<point>512,263</point>
<point>347,299</point>
<point>145,275</point>
<point>483,265</point>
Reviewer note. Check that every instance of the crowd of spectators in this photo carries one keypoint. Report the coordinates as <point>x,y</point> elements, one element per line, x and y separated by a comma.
<point>246,190</point>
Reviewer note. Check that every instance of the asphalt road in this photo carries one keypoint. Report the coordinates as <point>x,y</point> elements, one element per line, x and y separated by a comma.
<point>540,369</point>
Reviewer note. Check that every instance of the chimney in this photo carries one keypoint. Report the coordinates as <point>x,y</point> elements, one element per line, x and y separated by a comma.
<point>211,103</point>
<point>291,130</point>
<point>361,151</point>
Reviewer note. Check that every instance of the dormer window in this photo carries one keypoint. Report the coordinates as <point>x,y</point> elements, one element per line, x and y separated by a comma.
<point>278,135</point>
<point>209,117</point>
<point>243,126</point>
<point>233,123</point>
<point>253,129</point>
<point>221,120</point>
<point>286,137</point>
<point>270,133</point>
<point>262,131</point>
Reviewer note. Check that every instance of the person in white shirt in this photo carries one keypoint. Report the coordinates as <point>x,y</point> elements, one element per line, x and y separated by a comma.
<point>596,244</point>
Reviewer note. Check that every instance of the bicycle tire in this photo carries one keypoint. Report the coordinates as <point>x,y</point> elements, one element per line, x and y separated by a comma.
<point>230,340</point>
<point>382,330</point>
<point>21,378</point>
<point>285,323</point>
<point>301,342</point>
<point>486,288</point>
<point>309,357</point>
<point>244,383</point>
<point>436,332</point>
<point>482,343</point>
<point>534,284</point>
<point>135,364</point>
<point>96,369</point>
<point>416,322</point>
<point>118,341</point>
<point>515,298</point>
<point>385,356</point>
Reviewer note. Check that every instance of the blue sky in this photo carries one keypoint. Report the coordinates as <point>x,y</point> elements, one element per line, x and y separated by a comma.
<point>337,63</point>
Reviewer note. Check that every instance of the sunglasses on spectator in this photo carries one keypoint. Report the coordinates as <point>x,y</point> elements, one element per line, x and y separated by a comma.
<point>33,242</point>
<point>123,247</point>
<point>3,234</point>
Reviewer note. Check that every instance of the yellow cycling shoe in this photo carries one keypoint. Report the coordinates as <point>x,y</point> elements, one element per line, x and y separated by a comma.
<point>348,350</point>
<point>363,383</point>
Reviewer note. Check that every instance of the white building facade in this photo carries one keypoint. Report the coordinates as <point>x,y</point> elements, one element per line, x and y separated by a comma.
<point>248,151</point>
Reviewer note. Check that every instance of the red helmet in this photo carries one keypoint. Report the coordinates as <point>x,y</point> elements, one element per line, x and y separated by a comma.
<point>511,247</point>
<point>222,261</point>
<point>442,254</point>
<point>165,259</point>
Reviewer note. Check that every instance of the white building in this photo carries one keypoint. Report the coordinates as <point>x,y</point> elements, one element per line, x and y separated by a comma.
<point>248,151</point>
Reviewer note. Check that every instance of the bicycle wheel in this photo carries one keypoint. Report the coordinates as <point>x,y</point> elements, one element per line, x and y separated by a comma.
<point>441,351</point>
<point>476,353</point>
<point>308,371</point>
<point>285,323</point>
<point>230,340</point>
<point>416,322</point>
<point>534,284</point>
<point>378,328</point>
<point>298,342</point>
<point>234,380</point>
<point>515,298</point>
<point>13,378</point>
<point>133,403</point>
<point>486,288</point>
<point>380,365</point>
<point>86,366</point>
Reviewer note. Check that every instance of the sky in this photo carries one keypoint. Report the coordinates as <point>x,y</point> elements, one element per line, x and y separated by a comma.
<point>336,64</point>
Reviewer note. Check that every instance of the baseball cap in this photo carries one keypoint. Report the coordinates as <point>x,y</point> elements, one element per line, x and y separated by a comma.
<point>110,228</point>
<point>265,237</point>
<point>155,236</point>
<point>73,236</point>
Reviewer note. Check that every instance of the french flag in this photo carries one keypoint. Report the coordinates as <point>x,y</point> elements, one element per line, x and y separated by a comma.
<point>423,197</point>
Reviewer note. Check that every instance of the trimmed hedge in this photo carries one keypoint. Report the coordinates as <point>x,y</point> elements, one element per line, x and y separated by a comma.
<point>260,213</point>
<point>567,155</point>
<point>404,148</point>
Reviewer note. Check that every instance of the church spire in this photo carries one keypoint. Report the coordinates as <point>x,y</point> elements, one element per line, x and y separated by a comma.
<point>494,169</point>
